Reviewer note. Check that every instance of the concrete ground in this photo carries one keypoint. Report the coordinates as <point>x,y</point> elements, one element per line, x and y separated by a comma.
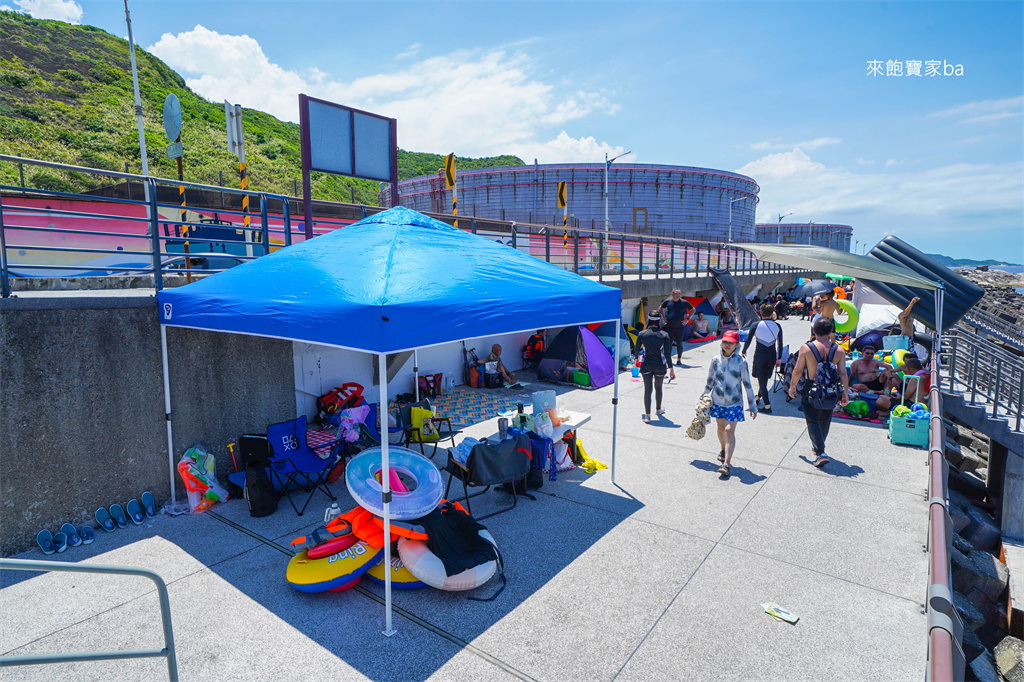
<point>661,576</point>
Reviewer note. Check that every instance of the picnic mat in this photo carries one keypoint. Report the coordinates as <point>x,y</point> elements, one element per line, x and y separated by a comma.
<point>467,406</point>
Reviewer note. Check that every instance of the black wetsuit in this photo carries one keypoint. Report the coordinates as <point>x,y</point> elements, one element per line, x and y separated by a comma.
<point>656,348</point>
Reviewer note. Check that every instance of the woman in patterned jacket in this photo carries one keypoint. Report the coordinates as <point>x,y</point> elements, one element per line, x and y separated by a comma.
<point>727,377</point>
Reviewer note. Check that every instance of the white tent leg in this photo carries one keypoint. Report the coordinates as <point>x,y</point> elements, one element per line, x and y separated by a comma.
<point>615,397</point>
<point>385,481</point>
<point>167,410</point>
<point>416,372</point>
<point>940,296</point>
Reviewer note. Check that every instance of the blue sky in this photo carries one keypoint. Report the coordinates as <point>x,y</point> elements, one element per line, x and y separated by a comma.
<point>778,91</point>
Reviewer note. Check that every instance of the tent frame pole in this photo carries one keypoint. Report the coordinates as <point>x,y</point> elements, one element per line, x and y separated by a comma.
<point>615,395</point>
<point>940,296</point>
<point>167,412</point>
<point>385,480</point>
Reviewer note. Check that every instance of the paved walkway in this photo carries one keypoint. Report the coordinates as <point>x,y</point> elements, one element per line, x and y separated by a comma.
<point>660,577</point>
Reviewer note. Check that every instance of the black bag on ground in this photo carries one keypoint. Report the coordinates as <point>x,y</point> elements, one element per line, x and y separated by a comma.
<point>259,492</point>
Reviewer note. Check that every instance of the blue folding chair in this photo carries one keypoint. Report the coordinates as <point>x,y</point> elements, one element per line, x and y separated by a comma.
<point>293,462</point>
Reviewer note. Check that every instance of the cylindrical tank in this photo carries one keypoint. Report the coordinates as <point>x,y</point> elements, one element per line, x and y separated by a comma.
<point>655,200</point>
<point>816,234</point>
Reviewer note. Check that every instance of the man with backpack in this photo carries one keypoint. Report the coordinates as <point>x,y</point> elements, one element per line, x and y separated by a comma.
<point>821,364</point>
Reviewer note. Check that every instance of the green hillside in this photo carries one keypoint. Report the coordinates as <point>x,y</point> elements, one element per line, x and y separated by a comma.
<point>66,96</point>
<point>951,262</point>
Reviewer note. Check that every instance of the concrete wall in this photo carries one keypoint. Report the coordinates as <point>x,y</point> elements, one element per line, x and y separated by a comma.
<point>82,408</point>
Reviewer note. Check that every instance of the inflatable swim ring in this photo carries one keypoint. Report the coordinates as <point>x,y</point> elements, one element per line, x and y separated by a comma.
<point>338,544</point>
<point>840,293</point>
<point>426,566</point>
<point>851,316</point>
<point>401,578</point>
<point>332,572</point>
<point>899,356</point>
<point>366,490</point>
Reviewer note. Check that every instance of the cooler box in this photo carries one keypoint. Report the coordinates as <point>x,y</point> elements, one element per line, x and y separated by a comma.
<point>580,378</point>
<point>907,431</point>
<point>895,343</point>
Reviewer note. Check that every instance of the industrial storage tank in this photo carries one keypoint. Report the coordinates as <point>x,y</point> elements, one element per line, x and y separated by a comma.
<point>648,199</point>
<point>817,234</point>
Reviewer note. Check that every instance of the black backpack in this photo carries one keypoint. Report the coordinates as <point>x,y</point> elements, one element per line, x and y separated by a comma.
<point>825,390</point>
<point>259,492</point>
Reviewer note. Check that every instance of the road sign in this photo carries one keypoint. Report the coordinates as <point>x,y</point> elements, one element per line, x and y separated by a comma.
<point>449,171</point>
<point>236,138</point>
<point>175,151</point>
<point>172,117</point>
<point>561,194</point>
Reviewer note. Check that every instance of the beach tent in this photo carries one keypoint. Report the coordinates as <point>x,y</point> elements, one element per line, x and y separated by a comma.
<point>580,346</point>
<point>392,282</point>
<point>605,332</point>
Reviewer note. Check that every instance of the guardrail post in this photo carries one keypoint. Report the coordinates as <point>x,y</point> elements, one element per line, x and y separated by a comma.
<point>264,224</point>
<point>640,259</point>
<point>5,285</point>
<point>600,258</point>
<point>622,258</point>
<point>672,259</point>
<point>547,244</point>
<point>686,258</point>
<point>154,232</point>
<point>286,212</point>
<point>576,251</point>
<point>995,394</point>
<point>513,228</point>
<point>974,378</point>
<point>657,258</point>
<point>472,224</point>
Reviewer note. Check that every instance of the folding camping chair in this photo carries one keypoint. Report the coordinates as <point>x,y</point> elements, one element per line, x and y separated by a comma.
<point>372,430</point>
<point>443,432</point>
<point>293,462</point>
<point>780,370</point>
<point>489,465</point>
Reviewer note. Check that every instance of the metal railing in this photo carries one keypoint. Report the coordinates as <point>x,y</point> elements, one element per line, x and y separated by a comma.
<point>165,615</point>
<point>990,324</point>
<point>946,661</point>
<point>985,375</point>
<point>154,239</point>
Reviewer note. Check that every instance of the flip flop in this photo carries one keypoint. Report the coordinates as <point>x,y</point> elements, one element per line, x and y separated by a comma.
<point>74,539</point>
<point>118,514</point>
<point>135,511</point>
<point>87,534</point>
<point>45,541</point>
<point>149,504</point>
<point>103,518</point>
<point>60,542</point>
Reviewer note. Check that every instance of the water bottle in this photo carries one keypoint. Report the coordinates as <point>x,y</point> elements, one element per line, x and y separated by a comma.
<point>332,512</point>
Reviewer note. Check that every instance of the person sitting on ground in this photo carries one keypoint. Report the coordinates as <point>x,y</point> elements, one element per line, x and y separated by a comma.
<point>905,320</point>
<point>533,352</point>
<point>495,356</point>
<point>701,327</point>
<point>916,390</point>
<point>721,307</point>
<point>726,321</point>
<point>866,372</point>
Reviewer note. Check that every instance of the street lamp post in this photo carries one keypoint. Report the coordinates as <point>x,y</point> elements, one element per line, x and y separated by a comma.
<point>733,201</point>
<point>607,166</point>
<point>778,233</point>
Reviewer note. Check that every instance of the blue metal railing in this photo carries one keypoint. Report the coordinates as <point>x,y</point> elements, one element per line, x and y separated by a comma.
<point>165,615</point>
<point>589,252</point>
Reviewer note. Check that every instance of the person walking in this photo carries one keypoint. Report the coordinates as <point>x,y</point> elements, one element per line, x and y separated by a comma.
<point>767,353</point>
<point>655,349</point>
<point>727,377</point>
<point>821,366</point>
<point>673,315</point>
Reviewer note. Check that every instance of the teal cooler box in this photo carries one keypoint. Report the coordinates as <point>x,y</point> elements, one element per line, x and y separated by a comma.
<point>907,431</point>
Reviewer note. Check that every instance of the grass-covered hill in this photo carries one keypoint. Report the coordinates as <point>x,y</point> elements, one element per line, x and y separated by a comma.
<point>66,96</point>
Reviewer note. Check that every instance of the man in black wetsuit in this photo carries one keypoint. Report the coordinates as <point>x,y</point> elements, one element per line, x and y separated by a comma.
<point>655,347</point>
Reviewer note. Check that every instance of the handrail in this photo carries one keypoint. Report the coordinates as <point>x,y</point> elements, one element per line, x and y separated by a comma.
<point>946,661</point>
<point>986,371</point>
<point>165,615</point>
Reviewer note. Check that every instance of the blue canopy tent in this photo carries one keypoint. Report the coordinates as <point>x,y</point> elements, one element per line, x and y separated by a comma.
<point>395,281</point>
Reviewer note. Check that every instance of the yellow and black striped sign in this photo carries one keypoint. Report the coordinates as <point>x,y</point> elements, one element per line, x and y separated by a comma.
<point>245,197</point>
<point>449,171</point>
<point>561,194</point>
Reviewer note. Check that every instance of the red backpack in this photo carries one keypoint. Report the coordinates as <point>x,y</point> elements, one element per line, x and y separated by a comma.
<point>340,398</point>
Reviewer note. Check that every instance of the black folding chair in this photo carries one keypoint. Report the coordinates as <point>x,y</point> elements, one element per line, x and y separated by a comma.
<point>780,370</point>
<point>489,465</point>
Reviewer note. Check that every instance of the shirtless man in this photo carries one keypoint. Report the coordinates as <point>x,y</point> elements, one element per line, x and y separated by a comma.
<point>866,372</point>
<point>827,306</point>
<point>906,322</point>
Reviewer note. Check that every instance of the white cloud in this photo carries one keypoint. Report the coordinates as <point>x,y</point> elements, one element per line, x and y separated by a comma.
<point>909,202</point>
<point>566,149</point>
<point>806,144</point>
<point>411,52</point>
<point>892,163</point>
<point>985,111</point>
<point>61,10</point>
<point>472,103</point>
